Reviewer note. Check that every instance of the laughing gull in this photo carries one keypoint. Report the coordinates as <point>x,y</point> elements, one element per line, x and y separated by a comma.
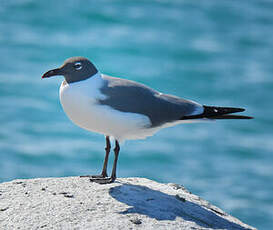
<point>123,109</point>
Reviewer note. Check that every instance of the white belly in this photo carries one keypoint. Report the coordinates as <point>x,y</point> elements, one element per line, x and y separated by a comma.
<point>79,103</point>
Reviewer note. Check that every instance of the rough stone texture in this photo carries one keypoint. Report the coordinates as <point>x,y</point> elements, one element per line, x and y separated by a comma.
<point>129,203</point>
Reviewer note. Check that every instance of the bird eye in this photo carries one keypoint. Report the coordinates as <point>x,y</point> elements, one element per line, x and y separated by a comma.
<point>78,65</point>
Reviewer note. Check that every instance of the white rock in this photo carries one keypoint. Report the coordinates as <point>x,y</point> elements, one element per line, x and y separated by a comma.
<point>129,203</point>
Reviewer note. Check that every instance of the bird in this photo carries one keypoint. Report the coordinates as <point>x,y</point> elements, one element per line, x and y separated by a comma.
<point>122,109</point>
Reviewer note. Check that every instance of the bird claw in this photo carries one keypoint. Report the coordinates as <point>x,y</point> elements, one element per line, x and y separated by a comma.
<point>94,176</point>
<point>102,180</point>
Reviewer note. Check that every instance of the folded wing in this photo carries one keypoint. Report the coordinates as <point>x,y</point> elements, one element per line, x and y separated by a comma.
<point>132,97</point>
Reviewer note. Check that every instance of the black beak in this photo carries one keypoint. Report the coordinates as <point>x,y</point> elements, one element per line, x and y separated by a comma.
<point>52,73</point>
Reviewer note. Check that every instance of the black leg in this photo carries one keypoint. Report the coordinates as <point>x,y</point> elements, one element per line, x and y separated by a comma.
<point>107,180</point>
<point>116,150</point>
<point>107,151</point>
<point>104,170</point>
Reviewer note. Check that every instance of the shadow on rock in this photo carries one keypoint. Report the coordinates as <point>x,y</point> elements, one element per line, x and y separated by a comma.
<point>161,206</point>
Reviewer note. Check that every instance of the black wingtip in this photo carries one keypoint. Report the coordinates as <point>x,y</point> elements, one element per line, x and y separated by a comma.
<point>215,112</point>
<point>210,110</point>
<point>227,116</point>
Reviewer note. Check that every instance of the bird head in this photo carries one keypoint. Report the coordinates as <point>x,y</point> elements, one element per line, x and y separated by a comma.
<point>73,69</point>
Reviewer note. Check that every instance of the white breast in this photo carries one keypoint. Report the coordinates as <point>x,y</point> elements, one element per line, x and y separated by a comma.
<point>79,101</point>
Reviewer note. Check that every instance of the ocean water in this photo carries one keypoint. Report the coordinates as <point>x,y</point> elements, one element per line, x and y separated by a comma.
<point>214,52</point>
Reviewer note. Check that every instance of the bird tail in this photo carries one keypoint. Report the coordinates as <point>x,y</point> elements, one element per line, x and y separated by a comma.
<point>214,112</point>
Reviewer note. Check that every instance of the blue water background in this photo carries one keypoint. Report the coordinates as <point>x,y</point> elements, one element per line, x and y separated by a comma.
<point>214,52</point>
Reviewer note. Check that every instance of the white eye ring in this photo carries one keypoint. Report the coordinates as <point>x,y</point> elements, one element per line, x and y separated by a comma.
<point>78,65</point>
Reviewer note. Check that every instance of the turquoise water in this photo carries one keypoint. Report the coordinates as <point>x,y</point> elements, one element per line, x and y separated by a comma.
<point>214,52</point>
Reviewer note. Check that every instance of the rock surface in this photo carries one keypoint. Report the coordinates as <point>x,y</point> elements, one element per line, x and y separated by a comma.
<point>129,203</point>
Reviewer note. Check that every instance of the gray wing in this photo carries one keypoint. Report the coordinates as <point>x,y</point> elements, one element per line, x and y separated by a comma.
<point>133,97</point>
